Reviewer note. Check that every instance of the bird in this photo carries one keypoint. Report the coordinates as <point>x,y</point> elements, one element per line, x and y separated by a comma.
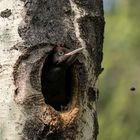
<point>54,73</point>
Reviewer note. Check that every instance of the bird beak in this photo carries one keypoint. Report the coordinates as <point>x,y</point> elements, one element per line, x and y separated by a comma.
<point>74,52</point>
<point>70,57</point>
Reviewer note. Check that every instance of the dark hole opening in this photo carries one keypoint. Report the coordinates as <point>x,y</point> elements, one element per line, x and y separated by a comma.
<point>57,94</point>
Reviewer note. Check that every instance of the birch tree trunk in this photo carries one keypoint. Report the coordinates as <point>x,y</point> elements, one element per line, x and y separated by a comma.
<point>29,29</point>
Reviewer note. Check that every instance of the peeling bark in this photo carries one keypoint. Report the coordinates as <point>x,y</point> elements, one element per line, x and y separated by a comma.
<point>29,31</point>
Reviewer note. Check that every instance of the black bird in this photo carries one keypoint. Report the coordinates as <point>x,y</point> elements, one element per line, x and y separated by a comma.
<point>54,76</point>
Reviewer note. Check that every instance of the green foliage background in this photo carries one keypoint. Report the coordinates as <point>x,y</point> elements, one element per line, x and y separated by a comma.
<point>119,107</point>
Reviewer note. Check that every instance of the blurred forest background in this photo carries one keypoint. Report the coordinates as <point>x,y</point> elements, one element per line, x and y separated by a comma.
<point>119,84</point>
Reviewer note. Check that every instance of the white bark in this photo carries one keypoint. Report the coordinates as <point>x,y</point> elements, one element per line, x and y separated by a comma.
<point>9,112</point>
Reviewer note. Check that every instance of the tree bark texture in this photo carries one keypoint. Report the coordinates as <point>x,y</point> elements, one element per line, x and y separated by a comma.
<point>29,29</point>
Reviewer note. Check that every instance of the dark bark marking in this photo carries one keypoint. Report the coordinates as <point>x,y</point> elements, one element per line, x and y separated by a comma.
<point>6,13</point>
<point>41,21</point>
<point>94,40</point>
<point>93,94</point>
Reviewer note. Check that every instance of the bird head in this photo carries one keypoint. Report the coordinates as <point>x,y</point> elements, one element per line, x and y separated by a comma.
<point>64,56</point>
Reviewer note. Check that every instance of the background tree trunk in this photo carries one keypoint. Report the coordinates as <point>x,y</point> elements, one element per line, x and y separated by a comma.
<point>29,29</point>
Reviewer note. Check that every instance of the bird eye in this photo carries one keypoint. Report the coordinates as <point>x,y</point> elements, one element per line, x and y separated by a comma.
<point>60,53</point>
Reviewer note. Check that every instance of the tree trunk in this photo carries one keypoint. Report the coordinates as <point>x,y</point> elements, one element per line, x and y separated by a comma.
<point>29,29</point>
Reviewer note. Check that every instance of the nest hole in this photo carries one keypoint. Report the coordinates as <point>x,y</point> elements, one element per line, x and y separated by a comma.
<point>60,101</point>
